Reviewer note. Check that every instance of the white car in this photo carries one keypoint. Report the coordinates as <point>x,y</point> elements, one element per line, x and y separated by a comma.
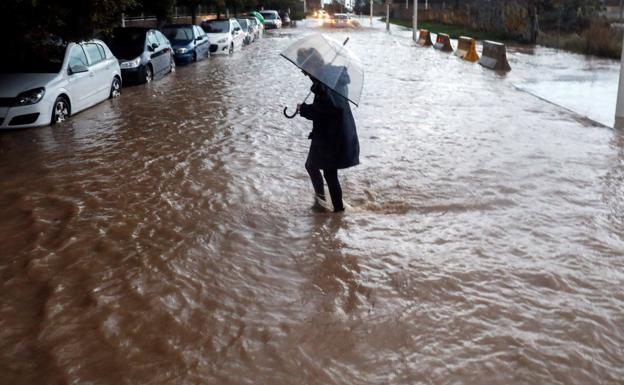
<point>225,35</point>
<point>321,14</point>
<point>341,20</point>
<point>272,19</point>
<point>47,83</point>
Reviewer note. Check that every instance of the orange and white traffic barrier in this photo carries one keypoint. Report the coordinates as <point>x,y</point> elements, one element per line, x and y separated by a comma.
<point>424,38</point>
<point>494,56</point>
<point>443,43</point>
<point>467,49</point>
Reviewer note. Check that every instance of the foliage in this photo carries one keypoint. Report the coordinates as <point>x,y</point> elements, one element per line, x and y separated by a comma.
<point>599,39</point>
<point>66,18</point>
<point>162,9</point>
<point>281,5</point>
<point>566,15</point>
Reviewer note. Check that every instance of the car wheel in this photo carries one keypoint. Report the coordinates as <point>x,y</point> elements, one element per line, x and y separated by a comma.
<point>115,88</point>
<point>149,74</point>
<point>231,48</point>
<point>172,66</point>
<point>60,110</point>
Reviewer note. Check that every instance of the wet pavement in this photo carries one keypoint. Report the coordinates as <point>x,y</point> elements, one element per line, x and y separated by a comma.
<point>167,236</point>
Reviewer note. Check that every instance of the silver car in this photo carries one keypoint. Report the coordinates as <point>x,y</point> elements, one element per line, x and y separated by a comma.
<point>272,19</point>
<point>46,82</point>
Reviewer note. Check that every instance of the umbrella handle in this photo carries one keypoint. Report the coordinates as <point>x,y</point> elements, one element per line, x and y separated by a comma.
<point>289,116</point>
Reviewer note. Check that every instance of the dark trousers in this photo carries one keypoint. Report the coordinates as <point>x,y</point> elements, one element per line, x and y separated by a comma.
<point>331,177</point>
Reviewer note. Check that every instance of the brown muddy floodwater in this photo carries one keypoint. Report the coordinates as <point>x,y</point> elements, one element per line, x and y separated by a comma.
<point>167,236</point>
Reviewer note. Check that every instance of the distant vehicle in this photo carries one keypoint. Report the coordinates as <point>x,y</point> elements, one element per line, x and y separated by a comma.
<point>46,82</point>
<point>190,43</point>
<point>143,53</point>
<point>285,19</point>
<point>271,19</point>
<point>256,27</point>
<point>341,20</point>
<point>225,35</point>
<point>246,27</point>
<point>321,14</point>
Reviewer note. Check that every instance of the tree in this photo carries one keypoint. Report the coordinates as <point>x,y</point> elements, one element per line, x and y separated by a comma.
<point>162,9</point>
<point>69,19</point>
<point>193,5</point>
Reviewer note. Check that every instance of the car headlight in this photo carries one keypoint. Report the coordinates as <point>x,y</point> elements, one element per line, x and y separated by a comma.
<point>181,50</point>
<point>224,40</point>
<point>130,63</point>
<point>30,97</point>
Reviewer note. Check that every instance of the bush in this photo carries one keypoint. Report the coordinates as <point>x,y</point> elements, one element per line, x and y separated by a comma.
<point>598,39</point>
<point>603,40</point>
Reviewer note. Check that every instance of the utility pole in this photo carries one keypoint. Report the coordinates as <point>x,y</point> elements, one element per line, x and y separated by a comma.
<point>371,12</point>
<point>621,9</point>
<point>619,106</point>
<point>388,15</point>
<point>415,21</point>
<point>305,8</point>
<point>426,5</point>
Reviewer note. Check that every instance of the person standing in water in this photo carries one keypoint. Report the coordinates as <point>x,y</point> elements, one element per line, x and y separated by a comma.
<point>334,137</point>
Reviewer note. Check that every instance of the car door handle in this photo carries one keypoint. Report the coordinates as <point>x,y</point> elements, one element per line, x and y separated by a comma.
<point>91,74</point>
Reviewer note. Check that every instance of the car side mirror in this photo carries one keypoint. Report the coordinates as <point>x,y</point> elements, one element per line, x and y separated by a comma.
<point>78,68</point>
<point>199,38</point>
<point>153,46</point>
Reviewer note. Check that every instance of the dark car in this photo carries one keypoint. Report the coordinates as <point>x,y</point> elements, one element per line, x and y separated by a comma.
<point>143,53</point>
<point>285,19</point>
<point>189,42</point>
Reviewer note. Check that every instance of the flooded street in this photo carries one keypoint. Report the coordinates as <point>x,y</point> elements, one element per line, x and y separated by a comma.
<point>167,236</point>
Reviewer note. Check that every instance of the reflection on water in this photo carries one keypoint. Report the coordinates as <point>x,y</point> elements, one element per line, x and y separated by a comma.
<point>167,236</point>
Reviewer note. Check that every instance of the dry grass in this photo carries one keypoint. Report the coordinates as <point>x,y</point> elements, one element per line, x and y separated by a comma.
<point>599,39</point>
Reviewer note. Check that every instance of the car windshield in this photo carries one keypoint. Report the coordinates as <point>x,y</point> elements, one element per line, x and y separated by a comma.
<point>242,22</point>
<point>35,58</point>
<point>127,43</point>
<point>178,34</point>
<point>268,15</point>
<point>216,26</point>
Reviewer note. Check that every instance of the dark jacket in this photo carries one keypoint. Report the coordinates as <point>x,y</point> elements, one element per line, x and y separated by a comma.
<point>334,137</point>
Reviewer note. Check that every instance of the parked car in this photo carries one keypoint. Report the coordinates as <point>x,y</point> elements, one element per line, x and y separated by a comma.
<point>271,19</point>
<point>46,82</point>
<point>256,27</point>
<point>143,54</point>
<point>225,35</point>
<point>341,20</point>
<point>285,19</point>
<point>249,36</point>
<point>189,42</point>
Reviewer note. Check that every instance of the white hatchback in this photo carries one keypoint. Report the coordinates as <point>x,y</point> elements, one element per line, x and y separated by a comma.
<point>225,35</point>
<point>46,84</point>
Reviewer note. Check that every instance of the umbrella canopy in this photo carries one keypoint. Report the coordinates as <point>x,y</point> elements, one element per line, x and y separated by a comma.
<point>329,62</point>
<point>257,15</point>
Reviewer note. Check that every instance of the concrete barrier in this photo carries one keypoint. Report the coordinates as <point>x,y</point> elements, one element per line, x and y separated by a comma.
<point>467,49</point>
<point>424,38</point>
<point>494,56</point>
<point>443,43</point>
